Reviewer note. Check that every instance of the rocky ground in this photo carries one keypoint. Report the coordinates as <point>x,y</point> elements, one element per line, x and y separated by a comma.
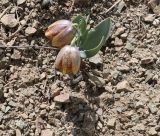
<point>120,91</point>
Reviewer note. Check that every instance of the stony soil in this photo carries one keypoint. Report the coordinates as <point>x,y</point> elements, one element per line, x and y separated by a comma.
<point>119,94</point>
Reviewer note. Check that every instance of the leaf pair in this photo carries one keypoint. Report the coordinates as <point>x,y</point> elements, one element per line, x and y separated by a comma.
<point>92,40</point>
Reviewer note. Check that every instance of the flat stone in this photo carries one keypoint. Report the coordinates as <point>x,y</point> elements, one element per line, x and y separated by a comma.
<point>118,42</point>
<point>96,59</point>
<point>149,18</point>
<point>147,60</point>
<point>111,122</point>
<point>99,111</point>
<point>119,31</point>
<point>156,22</point>
<point>30,30</point>
<point>47,132</point>
<point>129,46</point>
<point>19,2</point>
<point>139,127</point>
<point>98,81</point>
<point>124,86</point>
<point>152,131</point>
<point>9,20</point>
<point>62,98</point>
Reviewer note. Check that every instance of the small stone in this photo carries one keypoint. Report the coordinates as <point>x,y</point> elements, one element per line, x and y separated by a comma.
<point>124,36</point>
<point>9,20</point>
<point>152,107</point>
<point>47,132</point>
<point>43,112</point>
<point>20,124</point>
<point>99,111</point>
<point>118,42</point>
<point>111,122</point>
<point>7,109</point>
<point>97,60</point>
<point>62,98</point>
<point>18,132</point>
<point>43,106</point>
<point>139,104</point>
<point>149,18</point>
<point>124,86</point>
<point>19,2</point>
<point>147,60</point>
<point>123,68</point>
<point>129,46</point>
<point>152,131</point>
<point>5,2</point>
<point>1,116</point>
<point>30,30</point>
<point>100,82</point>
<point>139,127</point>
<point>156,22</point>
<point>100,124</point>
<point>25,116</point>
<point>119,31</point>
<point>12,103</point>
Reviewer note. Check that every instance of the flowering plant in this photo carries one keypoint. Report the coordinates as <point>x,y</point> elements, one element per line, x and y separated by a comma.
<point>87,42</point>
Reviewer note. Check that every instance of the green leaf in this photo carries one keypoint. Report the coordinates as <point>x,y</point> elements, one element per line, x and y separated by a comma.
<point>94,51</point>
<point>93,41</point>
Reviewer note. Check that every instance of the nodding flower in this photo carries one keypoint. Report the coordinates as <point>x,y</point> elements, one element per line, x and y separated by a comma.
<point>68,60</point>
<point>60,33</point>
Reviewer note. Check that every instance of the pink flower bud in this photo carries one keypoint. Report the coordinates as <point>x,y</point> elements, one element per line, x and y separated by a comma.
<point>60,33</point>
<point>68,60</point>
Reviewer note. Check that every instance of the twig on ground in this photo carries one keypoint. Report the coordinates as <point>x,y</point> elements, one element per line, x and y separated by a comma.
<point>2,14</point>
<point>27,47</point>
<point>108,10</point>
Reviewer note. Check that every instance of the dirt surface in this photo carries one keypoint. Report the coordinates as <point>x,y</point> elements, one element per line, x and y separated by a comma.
<point>119,94</point>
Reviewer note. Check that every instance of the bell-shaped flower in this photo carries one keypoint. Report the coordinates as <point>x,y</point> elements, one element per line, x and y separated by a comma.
<point>68,60</point>
<point>60,33</point>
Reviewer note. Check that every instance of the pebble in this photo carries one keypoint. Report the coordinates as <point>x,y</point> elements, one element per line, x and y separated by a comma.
<point>149,18</point>
<point>124,36</point>
<point>100,82</point>
<point>119,31</point>
<point>18,132</point>
<point>19,2</point>
<point>62,98</point>
<point>152,131</point>
<point>99,111</point>
<point>20,124</point>
<point>156,22</point>
<point>111,122</point>
<point>30,30</point>
<point>129,46</point>
<point>47,132</point>
<point>118,42</point>
<point>139,127</point>
<point>12,103</point>
<point>97,60</point>
<point>124,86</point>
<point>43,106</point>
<point>9,20</point>
<point>5,2</point>
<point>147,60</point>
